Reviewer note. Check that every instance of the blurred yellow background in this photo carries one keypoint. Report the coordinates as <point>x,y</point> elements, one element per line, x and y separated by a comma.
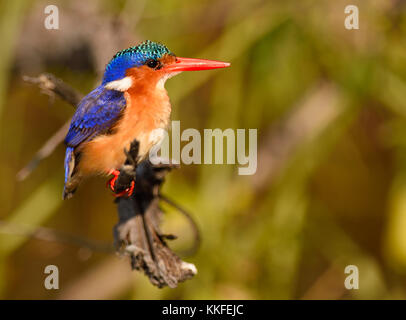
<point>330,108</point>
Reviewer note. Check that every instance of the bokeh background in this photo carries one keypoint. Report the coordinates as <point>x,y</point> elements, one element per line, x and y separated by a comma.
<point>330,108</point>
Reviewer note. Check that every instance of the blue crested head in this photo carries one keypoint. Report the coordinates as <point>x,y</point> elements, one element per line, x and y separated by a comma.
<point>133,57</point>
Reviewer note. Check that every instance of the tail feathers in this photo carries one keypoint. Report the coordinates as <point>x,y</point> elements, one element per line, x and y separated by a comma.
<point>72,178</point>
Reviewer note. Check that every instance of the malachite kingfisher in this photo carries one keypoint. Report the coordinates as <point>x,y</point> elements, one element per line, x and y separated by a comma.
<point>131,103</point>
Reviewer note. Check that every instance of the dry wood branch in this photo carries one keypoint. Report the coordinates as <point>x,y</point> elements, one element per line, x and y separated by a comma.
<point>52,86</point>
<point>137,233</point>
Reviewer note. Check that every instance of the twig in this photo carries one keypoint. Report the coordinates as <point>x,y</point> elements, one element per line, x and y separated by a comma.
<point>47,234</point>
<point>50,85</point>
<point>195,228</point>
<point>45,151</point>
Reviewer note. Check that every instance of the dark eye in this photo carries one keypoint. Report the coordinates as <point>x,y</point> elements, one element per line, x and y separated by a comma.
<point>152,63</point>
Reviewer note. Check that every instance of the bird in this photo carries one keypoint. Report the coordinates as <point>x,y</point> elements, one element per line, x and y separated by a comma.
<point>130,103</point>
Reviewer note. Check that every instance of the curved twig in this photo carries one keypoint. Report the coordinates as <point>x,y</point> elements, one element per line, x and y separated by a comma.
<point>192,222</point>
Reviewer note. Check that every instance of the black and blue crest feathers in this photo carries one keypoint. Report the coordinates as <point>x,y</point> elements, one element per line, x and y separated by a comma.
<point>133,57</point>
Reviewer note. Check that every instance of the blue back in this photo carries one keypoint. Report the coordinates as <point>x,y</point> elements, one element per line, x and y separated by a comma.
<point>95,114</point>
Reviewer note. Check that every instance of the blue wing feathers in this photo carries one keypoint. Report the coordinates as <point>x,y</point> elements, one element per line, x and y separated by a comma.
<point>68,159</point>
<point>95,114</point>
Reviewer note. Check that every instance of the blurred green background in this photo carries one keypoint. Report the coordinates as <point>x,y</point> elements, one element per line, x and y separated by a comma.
<point>330,108</point>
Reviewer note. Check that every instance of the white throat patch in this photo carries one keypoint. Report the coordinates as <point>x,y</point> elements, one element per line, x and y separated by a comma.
<point>120,85</point>
<point>161,82</point>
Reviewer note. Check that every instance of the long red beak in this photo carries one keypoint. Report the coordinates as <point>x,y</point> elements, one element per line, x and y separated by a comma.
<point>190,64</point>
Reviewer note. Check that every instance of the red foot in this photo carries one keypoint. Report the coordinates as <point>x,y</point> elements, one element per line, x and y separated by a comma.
<point>127,192</point>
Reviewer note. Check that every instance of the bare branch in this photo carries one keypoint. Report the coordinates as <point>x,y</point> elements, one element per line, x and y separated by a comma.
<point>47,234</point>
<point>137,233</point>
<point>45,151</point>
<point>51,86</point>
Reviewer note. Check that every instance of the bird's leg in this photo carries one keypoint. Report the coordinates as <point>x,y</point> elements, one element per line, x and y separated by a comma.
<point>127,192</point>
<point>125,177</point>
<point>111,183</point>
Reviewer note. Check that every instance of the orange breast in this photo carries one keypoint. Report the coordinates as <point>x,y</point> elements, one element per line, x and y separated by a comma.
<point>146,110</point>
